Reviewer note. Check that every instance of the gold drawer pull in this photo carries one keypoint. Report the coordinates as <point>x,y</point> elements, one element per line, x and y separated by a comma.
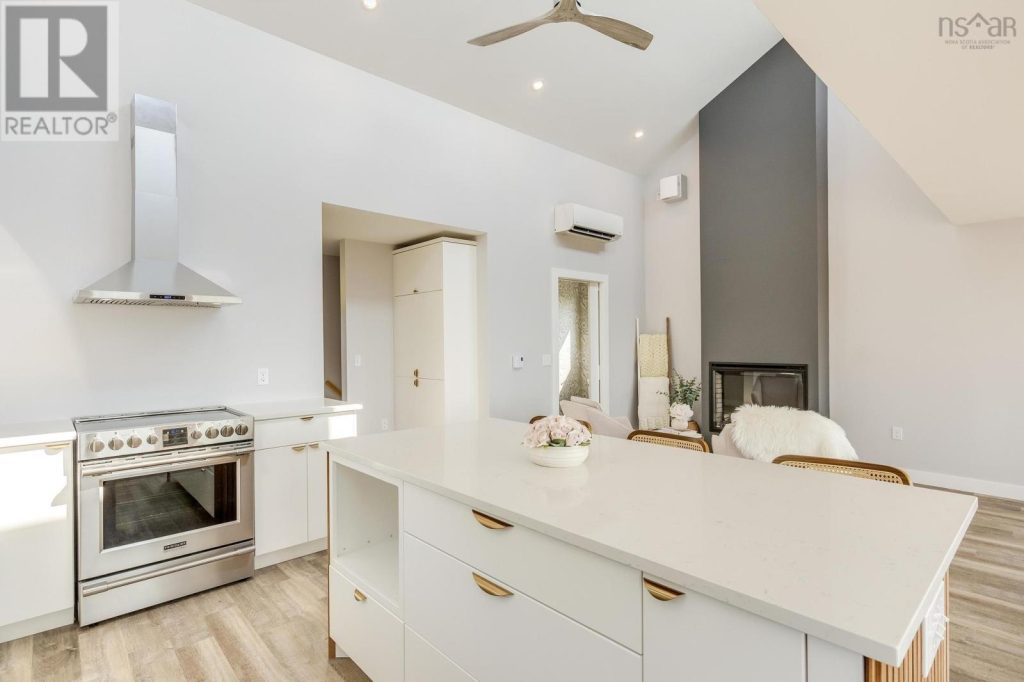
<point>489,587</point>
<point>298,448</point>
<point>307,419</point>
<point>315,446</point>
<point>490,522</point>
<point>660,592</point>
<point>358,596</point>
<point>56,446</point>
<point>416,373</point>
<point>416,383</point>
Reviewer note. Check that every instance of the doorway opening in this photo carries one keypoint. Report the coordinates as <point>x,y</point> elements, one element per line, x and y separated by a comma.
<point>580,325</point>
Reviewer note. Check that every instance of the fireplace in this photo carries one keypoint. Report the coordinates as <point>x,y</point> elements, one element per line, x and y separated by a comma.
<point>736,384</point>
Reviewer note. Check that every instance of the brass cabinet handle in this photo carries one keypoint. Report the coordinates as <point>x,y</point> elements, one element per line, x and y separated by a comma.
<point>490,522</point>
<point>315,446</point>
<point>489,587</point>
<point>298,448</point>
<point>358,596</point>
<point>661,592</point>
<point>307,419</point>
<point>416,373</point>
<point>416,383</point>
<point>56,446</point>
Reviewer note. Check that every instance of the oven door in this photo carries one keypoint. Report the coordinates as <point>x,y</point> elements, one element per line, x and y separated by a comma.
<point>135,511</point>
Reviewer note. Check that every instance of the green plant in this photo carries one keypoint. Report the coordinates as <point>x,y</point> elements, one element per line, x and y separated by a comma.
<point>686,391</point>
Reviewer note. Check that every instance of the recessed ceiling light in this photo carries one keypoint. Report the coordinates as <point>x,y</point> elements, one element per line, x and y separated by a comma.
<point>538,85</point>
<point>370,4</point>
<point>638,134</point>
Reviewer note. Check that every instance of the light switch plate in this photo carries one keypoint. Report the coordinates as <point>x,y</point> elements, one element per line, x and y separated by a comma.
<point>518,361</point>
<point>358,360</point>
<point>897,433</point>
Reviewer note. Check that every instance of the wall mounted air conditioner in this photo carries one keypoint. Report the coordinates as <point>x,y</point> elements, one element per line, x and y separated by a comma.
<point>588,222</point>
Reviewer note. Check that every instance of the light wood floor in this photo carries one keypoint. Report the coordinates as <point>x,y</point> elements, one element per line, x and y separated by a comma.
<point>274,627</point>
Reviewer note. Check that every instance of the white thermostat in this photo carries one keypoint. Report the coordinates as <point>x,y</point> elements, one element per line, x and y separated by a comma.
<point>672,188</point>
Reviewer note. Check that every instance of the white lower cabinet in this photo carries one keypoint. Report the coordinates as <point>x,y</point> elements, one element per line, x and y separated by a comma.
<point>37,569</point>
<point>316,491</point>
<point>693,638</point>
<point>424,663</point>
<point>281,498</point>
<point>508,638</point>
<point>367,632</point>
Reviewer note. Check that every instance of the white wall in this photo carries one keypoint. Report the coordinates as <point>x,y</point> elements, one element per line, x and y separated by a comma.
<point>269,131</point>
<point>369,332</point>
<point>924,322</point>
<point>672,256</point>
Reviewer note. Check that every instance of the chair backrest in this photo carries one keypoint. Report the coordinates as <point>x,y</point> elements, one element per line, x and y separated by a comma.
<point>670,439</point>
<point>875,472</point>
<point>581,421</point>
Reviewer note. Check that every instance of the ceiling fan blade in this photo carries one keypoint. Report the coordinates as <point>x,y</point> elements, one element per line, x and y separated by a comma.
<point>620,30</point>
<point>511,31</point>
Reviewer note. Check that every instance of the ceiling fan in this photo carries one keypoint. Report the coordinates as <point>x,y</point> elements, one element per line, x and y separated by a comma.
<point>570,11</point>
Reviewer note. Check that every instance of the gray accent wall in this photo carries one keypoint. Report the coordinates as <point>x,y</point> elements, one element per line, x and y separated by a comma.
<point>764,222</point>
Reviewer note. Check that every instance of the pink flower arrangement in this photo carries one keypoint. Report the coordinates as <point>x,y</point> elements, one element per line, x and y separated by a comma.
<point>556,432</point>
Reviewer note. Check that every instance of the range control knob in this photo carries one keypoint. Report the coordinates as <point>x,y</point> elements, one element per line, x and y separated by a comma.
<point>96,445</point>
<point>242,429</point>
<point>212,432</point>
<point>134,441</point>
<point>196,434</point>
<point>116,443</point>
<point>152,439</point>
<point>227,430</point>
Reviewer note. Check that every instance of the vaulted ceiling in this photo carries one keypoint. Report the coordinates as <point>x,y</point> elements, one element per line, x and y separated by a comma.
<point>948,108</point>
<point>597,93</point>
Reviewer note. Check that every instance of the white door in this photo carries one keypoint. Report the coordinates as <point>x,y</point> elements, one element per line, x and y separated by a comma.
<point>419,335</point>
<point>281,498</point>
<point>316,488</point>
<point>693,638</point>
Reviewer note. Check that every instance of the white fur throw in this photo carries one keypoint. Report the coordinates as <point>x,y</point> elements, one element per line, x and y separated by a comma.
<point>763,433</point>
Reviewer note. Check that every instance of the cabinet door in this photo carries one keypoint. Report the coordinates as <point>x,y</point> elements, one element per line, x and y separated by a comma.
<point>419,335</point>
<point>36,532</point>
<point>316,488</point>
<point>418,402</point>
<point>418,270</point>
<point>281,498</point>
<point>696,638</point>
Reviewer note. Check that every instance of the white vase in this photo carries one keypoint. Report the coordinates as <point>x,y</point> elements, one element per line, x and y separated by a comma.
<point>560,457</point>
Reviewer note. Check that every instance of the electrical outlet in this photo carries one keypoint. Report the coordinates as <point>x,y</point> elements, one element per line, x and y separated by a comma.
<point>358,360</point>
<point>897,433</point>
<point>262,376</point>
<point>384,425</point>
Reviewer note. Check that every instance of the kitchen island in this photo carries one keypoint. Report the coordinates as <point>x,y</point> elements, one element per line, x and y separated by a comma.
<point>453,557</point>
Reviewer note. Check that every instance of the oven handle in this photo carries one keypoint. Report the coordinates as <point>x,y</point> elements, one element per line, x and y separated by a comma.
<point>129,470</point>
<point>97,589</point>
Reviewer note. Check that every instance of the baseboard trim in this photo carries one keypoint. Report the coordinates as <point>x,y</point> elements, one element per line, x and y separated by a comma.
<point>34,626</point>
<point>289,553</point>
<point>1009,491</point>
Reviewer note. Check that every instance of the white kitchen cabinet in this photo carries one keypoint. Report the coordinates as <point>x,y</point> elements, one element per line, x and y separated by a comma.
<point>424,663</point>
<point>435,327</point>
<point>371,635</point>
<point>37,568</point>
<point>281,498</point>
<point>692,637</point>
<point>291,483</point>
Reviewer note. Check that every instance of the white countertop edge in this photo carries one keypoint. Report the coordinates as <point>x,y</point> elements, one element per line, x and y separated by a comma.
<point>884,652</point>
<point>38,433</point>
<point>289,409</point>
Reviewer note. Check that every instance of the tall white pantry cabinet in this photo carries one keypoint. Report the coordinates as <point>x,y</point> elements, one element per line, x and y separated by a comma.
<point>435,288</point>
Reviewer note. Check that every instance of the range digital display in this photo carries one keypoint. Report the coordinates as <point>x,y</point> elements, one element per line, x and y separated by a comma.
<point>176,436</point>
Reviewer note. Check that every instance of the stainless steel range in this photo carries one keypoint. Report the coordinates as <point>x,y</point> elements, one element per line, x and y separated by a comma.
<point>165,507</point>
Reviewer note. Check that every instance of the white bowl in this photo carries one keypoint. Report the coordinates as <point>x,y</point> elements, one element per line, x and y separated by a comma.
<point>560,457</point>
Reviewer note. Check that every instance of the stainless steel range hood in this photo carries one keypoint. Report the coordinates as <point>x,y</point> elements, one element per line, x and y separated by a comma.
<point>154,276</point>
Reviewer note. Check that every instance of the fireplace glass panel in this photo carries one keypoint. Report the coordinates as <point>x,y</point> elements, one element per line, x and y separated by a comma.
<point>737,385</point>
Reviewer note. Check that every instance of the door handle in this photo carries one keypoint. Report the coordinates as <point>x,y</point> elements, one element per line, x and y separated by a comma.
<point>416,383</point>
<point>358,596</point>
<point>490,588</point>
<point>490,522</point>
<point>298,448</point>
<point>307,419</point>
<point>661,592</point>
<point>416,373</point>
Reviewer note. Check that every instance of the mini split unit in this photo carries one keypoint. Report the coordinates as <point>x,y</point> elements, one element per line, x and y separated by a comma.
<point>588,222</point>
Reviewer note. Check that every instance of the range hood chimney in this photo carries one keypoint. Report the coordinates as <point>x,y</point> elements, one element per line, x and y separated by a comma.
<point>154,276</point>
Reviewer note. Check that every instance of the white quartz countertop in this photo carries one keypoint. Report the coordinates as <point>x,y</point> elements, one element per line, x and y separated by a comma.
<point>36,433</point>
<point>295,408</point>
<point>849,561</point>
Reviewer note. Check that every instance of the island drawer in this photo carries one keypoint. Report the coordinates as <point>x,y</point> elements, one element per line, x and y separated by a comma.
<point>275,433</point>
<point>424,663</point>
<point>367,632</point>
<point>497,634</point>
<point>598,592</point>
